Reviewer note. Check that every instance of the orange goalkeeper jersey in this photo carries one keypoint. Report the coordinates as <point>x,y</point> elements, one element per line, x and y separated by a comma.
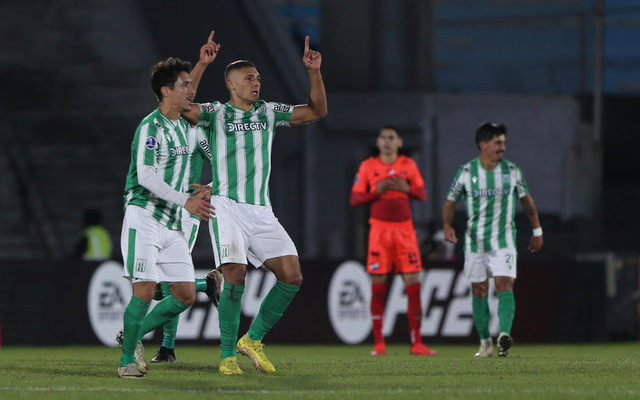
<point>393,205</point>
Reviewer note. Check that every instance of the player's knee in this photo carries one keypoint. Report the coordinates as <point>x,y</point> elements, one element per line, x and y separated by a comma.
<point>234,273</point>
<point>189,300</point>
<point>294,279</point>
<point>480,291</point>
<point>292,274</point>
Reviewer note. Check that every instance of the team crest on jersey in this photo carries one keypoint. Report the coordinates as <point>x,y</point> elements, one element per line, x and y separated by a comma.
<point>229,114</point>
<point>506,178</point>
<point>151,143</point>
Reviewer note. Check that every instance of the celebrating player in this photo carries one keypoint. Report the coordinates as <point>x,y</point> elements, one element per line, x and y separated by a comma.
<point>240,134</point>
<point>491,186</point>
<point>153,245</point>
<point>387,182</point>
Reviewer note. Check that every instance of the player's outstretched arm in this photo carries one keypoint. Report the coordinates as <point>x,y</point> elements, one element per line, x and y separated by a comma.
<point>317,106</point>
<point>530,210</point>
<point>448,210</point>
<point>208,52</point>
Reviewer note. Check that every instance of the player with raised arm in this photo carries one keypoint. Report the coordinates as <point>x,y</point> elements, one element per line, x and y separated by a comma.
<point>491,185</point>
<point>387,182</point>
<point>191,222</point>
<point>240,133</point>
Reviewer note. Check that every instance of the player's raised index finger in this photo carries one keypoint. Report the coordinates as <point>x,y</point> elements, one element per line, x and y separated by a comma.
<point>211,36</point>
<point>306,43</point>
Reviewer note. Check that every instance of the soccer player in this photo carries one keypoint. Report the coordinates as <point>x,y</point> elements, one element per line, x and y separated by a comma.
<point>387,182</point>
<point>153,246</point>
<point>240,133</point>
<point>490,186</point>
<point>191,222</point>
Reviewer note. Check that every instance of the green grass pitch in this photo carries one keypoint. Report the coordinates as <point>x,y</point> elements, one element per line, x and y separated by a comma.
<point>594,371</point>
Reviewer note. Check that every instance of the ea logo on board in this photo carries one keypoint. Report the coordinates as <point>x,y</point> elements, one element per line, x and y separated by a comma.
<point>349,296</point>
<point>108,296</point>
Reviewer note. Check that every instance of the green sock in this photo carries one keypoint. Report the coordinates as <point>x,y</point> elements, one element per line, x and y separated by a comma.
<point>506,310</point>
<point>229,317</point>
<point>170,327</point>
<point>133,315</point>
<point>272,308</point>
<point>480,306</point>
<point>163,312</point>
<point>201,284</point>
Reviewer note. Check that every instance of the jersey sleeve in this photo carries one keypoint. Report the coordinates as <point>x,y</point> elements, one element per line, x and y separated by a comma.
<point>361,181</point>
<point>415,177</point>
<point>208,113</point>
<point>360,191</point>
<point>282,113</point>
<point>146,144</point>
<point>202,144</point>
<point>521,184</point>
<point>457,189</point>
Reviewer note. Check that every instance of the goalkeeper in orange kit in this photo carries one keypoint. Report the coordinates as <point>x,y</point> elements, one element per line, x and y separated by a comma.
<point>387,182</point>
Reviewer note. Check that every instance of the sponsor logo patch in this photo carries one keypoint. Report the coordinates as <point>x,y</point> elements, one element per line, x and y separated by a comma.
<point>246,126</point>
<point>179,151</point>
<point>208,108</point>
<point>281,107</point>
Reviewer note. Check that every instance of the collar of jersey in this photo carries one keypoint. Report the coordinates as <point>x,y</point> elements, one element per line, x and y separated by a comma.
<point>255,105</point>
<point>169,119</point>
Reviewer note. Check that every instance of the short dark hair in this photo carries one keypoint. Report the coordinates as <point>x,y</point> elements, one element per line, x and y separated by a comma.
<point>391,127</point>
<point>238,64</point>
<point>165,73</point>
<point>488,130</point>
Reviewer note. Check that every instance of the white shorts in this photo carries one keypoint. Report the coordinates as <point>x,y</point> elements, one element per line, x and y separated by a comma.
<point>190,227</point>
<point>480,266</point>
<point>151,251</point>
<point>245,232</point>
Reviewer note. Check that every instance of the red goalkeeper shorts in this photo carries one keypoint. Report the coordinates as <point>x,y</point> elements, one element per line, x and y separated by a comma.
<point>393,245</point>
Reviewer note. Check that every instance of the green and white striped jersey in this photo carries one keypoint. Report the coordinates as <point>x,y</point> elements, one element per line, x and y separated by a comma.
<point>490,202</point>
<point>166,146</point>
<point>241,147</point>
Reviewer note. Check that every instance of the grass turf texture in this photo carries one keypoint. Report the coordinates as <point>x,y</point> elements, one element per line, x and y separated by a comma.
<point>599,371</point>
